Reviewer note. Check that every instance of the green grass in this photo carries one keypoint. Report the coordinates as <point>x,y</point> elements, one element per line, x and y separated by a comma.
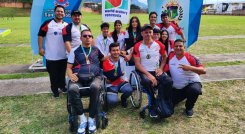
<point>16,55</point>
<point>214,25</point>
<point>218,110</point>
<point>215,64</point>
<point>15,12</point>
<point>216,46</point>
<point>23,75</point>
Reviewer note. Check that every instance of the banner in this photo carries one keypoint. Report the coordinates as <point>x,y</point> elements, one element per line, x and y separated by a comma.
<point>116,10</point>
<point>186,13</point>
<point>43,10</point>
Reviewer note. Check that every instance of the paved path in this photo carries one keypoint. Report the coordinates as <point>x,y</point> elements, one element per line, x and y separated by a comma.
<point>40,85</point>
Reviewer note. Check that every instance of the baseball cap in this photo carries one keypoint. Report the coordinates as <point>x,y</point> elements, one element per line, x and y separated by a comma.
<point>76,12</point>
<point>147,26</point>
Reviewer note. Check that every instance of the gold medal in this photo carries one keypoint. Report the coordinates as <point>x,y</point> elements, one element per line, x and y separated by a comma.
<point>115,73</point>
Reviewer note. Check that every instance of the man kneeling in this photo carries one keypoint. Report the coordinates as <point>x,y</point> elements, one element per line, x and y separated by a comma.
<point>83,68</point>
<point>113,69</point>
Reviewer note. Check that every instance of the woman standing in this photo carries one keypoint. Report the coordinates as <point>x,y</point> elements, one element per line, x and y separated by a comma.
<point>132,36</point>
<point>118,35</point>
<point>169,44</point>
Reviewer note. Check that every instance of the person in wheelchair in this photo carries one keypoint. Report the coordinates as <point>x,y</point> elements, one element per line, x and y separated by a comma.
<point>83,68</point>
<point>114,70</point>
<point>147,55</point>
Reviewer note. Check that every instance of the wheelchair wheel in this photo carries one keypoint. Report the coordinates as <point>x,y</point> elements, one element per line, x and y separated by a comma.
<point>101,119</point>
<point>136,97</point>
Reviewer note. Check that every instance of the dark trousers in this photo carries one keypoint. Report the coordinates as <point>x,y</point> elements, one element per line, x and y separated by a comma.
<point>57,71</point>
<point>164,86</point>
<point>74,95</point>
<point>190,93</point>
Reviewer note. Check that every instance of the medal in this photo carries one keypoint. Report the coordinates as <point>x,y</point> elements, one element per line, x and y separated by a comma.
<point>148,56</point>
<point>87,60</point>
<point>115,73</point>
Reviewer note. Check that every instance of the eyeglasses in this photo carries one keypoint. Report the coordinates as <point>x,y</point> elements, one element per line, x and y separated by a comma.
<point>85,36</point>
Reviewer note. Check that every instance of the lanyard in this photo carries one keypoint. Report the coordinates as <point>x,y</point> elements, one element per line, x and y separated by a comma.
<point>86,56</point>
<point>116,66</point>
<point>105,43</point>
<point>134,34</point>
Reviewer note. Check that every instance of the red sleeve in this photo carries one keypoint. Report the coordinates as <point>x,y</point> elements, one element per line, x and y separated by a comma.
<point>170,56</point>
<point>193,60</point>
<point>171,42</point>
<point>159,25</point>
<point>107,66</point>
<point>162,50</point>
<point>44,28</point>
<point>177,28</point>
<point>136,52</point>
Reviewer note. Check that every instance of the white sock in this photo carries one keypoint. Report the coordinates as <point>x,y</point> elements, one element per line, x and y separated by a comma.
<point>83,118</point>
<point>90,119</point>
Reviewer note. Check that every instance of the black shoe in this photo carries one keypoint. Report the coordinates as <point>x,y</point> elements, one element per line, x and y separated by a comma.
<point>153,113</point>
<point>56,95</point>
<point>124,102</point>
<point>64,90</point>
<point>189,113</point>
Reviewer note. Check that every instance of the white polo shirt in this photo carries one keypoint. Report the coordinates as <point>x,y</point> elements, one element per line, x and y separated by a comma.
<point>103,44</point>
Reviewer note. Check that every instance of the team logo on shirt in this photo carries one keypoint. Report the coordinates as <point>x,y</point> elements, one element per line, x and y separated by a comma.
<point>174,9</point>
<point>64,3</point>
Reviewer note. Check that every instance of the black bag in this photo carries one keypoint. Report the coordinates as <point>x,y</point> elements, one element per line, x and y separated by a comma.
<point>164,104</point>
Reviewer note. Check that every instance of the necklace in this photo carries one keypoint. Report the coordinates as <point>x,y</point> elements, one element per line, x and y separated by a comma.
<point>148,56</point>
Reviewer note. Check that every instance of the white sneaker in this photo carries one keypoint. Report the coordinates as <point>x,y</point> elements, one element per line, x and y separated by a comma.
<point>91,125</point>
<point>83,124</point>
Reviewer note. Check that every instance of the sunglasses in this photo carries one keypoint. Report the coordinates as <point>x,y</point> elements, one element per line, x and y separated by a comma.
<point>85,36</point>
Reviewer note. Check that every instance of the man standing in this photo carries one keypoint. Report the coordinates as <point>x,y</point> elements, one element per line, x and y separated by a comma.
<point>172,28</point>
<point>72,32</point>
<point>114,70</point>
<point>153,20</point>
<point>185,70</point>
<point>147,56</point>
<point>103,41</point>
<point>83,67</point>
<point>54,52</point>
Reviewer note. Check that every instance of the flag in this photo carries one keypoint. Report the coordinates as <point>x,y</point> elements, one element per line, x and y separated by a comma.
<point>116,10</point>
<point>186,13</point>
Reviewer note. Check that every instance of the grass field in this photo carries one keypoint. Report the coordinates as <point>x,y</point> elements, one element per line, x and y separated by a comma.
<point>219,110</point>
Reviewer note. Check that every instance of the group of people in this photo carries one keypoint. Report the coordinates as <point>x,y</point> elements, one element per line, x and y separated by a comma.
<point>71,49</point>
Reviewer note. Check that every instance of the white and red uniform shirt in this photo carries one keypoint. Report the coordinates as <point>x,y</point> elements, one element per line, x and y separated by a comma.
<point>173,30</point>
<point>103,44</point>
<point>72,33</point>
<point>155,50</point>
<point>54,44</point>
<point>180,77</point>
<point>120,40</point>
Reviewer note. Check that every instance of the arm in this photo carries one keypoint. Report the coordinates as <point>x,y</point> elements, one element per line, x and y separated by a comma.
<point>68,46</point>
<point>70,74</point>
<point>139,67</point>
<point>40,46</point>
<point>198,70</point>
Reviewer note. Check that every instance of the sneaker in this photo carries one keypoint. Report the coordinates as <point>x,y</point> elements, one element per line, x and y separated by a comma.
<point>82,128</point>
<point>64,90</point>
<point>91,125</point>
<point>189,113</point>
<point>124,102</point>
<point>153,113</point>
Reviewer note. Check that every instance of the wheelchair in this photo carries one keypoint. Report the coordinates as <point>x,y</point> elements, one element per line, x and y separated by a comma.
<point>136,98</point>
<point>100,118</point>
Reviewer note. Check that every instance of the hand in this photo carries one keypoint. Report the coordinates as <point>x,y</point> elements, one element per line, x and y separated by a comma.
<point>152,79</point>
<point>158,72</point>
<point>41,52</point>
<point>123,52</point>
<point>185,67</point>
<point>127,58</point>
<point>73,77</point>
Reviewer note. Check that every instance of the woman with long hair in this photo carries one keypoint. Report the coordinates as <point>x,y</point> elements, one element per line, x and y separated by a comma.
<point>132,36</point>
<point>118,35</point>
<point>169,44</point>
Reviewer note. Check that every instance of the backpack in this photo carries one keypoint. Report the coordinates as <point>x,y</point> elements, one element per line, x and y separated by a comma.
<point>164,104</point>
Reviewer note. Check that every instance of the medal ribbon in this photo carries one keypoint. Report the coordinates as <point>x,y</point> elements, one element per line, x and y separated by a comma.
<point>90,48</point>
<point>105,43</point>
